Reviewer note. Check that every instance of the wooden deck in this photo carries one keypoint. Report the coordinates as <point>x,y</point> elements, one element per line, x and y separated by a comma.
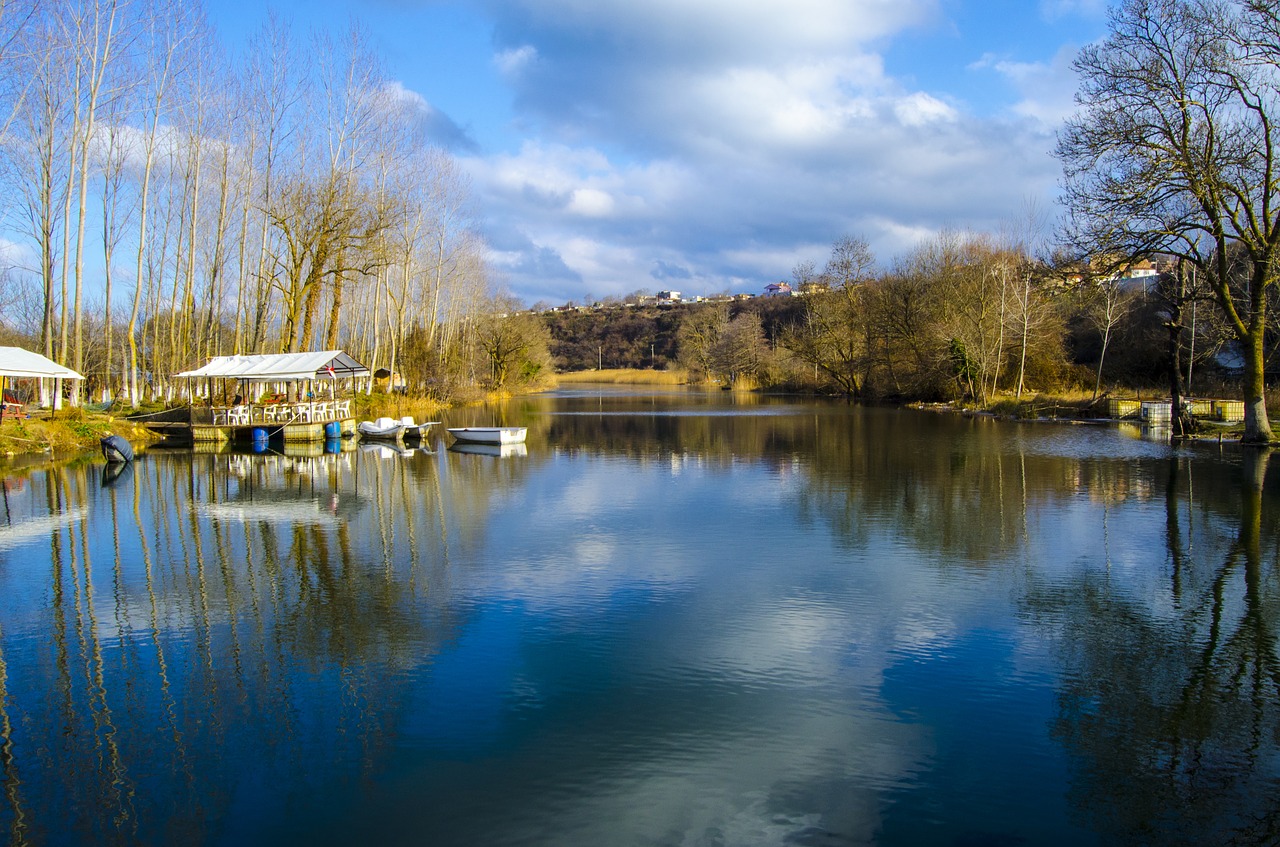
<point>292,432</point>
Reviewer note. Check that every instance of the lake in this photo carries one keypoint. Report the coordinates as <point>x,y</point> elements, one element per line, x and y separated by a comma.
<point>674,618</point>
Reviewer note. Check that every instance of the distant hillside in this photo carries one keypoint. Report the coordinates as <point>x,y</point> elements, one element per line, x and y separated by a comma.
<point>644,336</point>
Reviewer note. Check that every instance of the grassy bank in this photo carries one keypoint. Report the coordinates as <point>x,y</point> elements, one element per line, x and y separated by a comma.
<point>1035,406</point>
<point>68,430</point>
<point>1078,406</point>
<point>625,376</point>
<point>367,407</point>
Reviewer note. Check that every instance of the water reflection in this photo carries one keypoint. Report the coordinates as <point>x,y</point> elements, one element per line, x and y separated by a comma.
<point>189,602</point>
<point>498,451</point>
<point>1170,703</point>
<point>680,618</point>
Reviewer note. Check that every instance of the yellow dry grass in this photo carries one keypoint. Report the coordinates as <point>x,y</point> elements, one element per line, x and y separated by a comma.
<point>625,376</point>
<point>371,406</point>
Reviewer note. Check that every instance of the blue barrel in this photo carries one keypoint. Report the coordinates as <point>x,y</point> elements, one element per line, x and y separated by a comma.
<point>333,429</point>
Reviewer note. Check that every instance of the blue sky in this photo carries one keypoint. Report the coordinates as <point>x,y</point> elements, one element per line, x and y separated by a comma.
<point>710,145</point>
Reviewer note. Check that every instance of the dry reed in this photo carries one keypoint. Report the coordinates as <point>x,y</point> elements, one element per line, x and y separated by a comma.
<point>625,376</point>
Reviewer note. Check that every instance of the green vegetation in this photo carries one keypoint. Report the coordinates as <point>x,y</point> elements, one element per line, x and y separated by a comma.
<point>65,431</point>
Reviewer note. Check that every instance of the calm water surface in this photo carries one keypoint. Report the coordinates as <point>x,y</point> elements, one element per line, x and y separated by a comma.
<point>673,619</point>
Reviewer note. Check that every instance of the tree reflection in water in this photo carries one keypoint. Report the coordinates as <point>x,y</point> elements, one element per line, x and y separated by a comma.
<point>214,610</point>
<point>216,643</point>
<point>1171,705</point>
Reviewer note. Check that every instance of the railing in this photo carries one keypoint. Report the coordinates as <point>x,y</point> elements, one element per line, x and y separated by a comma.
<point>272,414</point>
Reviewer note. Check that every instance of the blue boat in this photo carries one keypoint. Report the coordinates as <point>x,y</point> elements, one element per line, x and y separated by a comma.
<point>115,449</point>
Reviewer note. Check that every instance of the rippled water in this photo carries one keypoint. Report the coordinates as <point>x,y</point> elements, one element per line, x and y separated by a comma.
<point>678,618</point>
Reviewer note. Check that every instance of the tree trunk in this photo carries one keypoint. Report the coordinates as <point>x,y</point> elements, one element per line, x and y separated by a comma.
<point>1179,417</point>
<point>1026,329</point>
<point>1257,426</point>
<point>1102,357</point>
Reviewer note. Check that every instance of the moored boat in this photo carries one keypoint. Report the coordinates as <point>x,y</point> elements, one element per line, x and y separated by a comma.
<point>115,449</point>
<point>490,434</point>
<point>416,430</point>
<point>384,428</point>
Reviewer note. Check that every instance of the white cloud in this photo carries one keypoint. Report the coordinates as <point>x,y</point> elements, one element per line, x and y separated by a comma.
<point>512,62</point>
<point>730,139</point>
<point>1047,88</point>
<point>20,255</point>
<point>398,96</point>
<point>590,202</point>
<point>399,100</point>
<point>919,109</point>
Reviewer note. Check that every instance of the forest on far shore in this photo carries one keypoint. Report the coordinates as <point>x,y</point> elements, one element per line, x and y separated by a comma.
<point>961,318</point>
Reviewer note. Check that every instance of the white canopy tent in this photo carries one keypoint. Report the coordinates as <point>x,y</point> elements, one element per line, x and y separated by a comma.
<point>281,367</point>
<point>18,363</point>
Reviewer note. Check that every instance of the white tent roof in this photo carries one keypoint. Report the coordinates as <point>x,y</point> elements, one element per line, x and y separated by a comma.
<point>282,366</point>
<point>17,362</point>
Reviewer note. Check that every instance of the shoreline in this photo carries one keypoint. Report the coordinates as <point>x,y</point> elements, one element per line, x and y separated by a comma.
<point>67,431</point>
<point>73,431</point>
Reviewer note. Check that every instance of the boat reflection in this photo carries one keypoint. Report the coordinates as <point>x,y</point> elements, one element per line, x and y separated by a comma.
<point>497,450</point>
<point>114,472</point>
<point>386,449</point>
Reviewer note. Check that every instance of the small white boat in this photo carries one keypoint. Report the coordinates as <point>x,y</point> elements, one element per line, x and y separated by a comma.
<point>387,428</point>
<point>490,434</point>
<point>416,430</point>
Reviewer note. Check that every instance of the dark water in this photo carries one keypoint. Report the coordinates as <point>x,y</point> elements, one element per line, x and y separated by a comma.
<point>677,619</point>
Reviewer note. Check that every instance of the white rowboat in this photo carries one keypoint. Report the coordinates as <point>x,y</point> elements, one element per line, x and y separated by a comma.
<point>490,434</point>
<point>381,428</point>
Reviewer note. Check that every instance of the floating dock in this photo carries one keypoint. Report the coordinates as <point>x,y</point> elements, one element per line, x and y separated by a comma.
<point>294,422</point>
<point>1160,412</point>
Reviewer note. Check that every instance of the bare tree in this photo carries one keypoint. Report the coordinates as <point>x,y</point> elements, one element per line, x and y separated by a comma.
<point>1108,304</point>
<point>514,344</point>
<point>163,32</point>
<point>115,217</point>
<point>804,273</point>
<point>699,333</point>
<point>834,337</point>
<point>274,89</point>
<point>741,350</point>
<point>96,40</point>
<point>1176,150</point>
<point>851,262</point>
<point>34,159</point>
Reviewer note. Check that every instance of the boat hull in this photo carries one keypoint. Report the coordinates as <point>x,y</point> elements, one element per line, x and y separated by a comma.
<point>489,434</point>
<point>418,430</point>
<point>116,450</point>
<point>386,429</point>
